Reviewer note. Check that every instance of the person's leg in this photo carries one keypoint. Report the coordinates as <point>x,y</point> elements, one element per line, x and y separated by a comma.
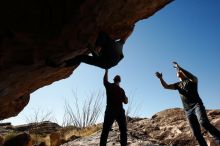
<point>204,121</point>
<point>96,61</point>
<point>103,39</point>
<point>74,61</point>
<point>91,60</point>
<point>121,120</point>
<point>92,50</point>
<point>195,127</point>
<point>108,121</point>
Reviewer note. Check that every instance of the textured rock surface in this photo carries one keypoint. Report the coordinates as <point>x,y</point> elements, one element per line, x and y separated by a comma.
<point>23,139</point>
<point>34,31</point>
<point>168,127</point>
<point>46,132</point>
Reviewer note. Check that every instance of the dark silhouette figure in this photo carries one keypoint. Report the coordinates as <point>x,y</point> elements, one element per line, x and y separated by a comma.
<point>192,103</point>
<point>107,53</point>
<point>114,110</point>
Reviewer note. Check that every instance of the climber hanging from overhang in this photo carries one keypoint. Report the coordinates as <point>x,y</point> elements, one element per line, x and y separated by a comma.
<point>106,53</point>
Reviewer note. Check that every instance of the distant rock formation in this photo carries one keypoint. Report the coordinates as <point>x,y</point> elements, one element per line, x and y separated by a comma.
<point>33,31</point>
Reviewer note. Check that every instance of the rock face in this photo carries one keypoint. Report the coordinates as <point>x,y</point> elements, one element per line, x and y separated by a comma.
<point>44,133</point>
<point>34,31</point>
<point>168,127</point>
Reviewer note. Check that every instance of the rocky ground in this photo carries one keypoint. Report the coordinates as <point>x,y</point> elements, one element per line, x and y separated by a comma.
<point>168,127</point>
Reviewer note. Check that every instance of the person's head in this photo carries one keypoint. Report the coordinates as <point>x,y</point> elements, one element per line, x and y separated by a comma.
<point>180,75</point>
<point>117,79</point>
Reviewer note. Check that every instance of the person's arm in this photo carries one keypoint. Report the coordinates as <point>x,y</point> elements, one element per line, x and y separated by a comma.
<point>105,79</point>
<point>163,83</point>
<point>74,61</point>
<point>126,100</point>
<point>187,74</point>
<point>120,43</point>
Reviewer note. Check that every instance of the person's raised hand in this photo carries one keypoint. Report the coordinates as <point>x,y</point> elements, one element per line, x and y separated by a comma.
<point>159,75</point>
<point>176,65</point>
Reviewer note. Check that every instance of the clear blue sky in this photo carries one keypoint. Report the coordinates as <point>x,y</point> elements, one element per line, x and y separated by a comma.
<point>186,31</point>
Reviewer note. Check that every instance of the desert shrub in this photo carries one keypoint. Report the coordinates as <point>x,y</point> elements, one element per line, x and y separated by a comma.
<point>85,114</point>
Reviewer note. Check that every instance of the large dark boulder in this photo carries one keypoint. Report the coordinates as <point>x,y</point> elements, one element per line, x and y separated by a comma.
<point>33,31</point>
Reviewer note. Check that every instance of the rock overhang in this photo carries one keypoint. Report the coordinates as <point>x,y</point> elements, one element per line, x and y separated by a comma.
<point>33,31</point>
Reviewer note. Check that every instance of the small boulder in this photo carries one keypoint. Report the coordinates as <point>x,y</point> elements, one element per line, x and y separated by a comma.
<point>23,139</point>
